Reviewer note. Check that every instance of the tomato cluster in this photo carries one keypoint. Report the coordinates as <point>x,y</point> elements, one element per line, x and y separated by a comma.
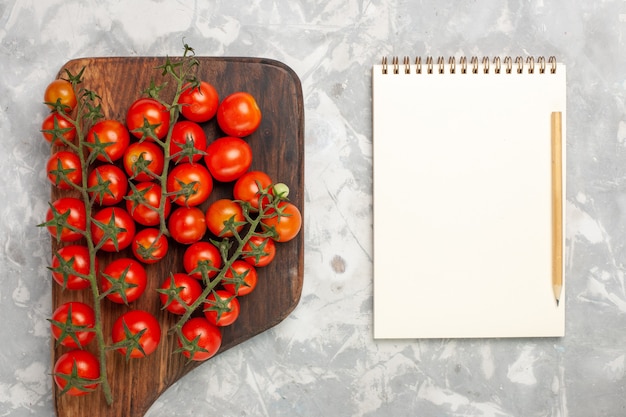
<point>141,185</point>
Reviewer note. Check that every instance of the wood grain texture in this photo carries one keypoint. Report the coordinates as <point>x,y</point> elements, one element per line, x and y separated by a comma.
<point>278,149</point>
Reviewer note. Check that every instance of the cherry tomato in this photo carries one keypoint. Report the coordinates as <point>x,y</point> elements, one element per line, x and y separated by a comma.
<point>60,91</point>
<point>223,212</point>
<point>199,104</point>
<point>79,364</point>
<point>239,114</point>
<point>187,288</point>
<point>192,182</point>
<point>75,223</point>
<point>259,251</point>
<point>137,321</point>
<point>113,217</point>
<point>65,130</point>
<point>146,112</point>
<point>187,225</point>
<point>198,253</point>
<point>188,142</point>
<point>221,308</point>
<point>64,169</point>
<point>128,279</point>
<point>144,161</point>
<point>149,245</point>
<point>109,138</point>
<point>247,187</point>
<point>68,263</point>
<point>107,184</point>
<point>202,338</point>
<point>286,223</point>
<point>228,158</point>
<point>143,201</point>
<point>68,322</point>
<point>240,279</point>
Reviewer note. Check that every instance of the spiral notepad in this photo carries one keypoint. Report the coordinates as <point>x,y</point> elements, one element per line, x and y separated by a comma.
<point>467,213</point>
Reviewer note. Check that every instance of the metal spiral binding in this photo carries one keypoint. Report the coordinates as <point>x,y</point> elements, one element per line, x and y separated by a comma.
<point>506,65</point>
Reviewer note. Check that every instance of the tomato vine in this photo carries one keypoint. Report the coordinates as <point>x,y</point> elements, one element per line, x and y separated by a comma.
<point>105,211</point>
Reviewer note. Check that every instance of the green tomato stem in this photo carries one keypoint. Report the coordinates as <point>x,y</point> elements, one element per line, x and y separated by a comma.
<point>92,277</point>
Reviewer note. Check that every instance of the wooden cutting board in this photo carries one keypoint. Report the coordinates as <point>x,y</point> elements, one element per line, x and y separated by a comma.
<point>278,149</point>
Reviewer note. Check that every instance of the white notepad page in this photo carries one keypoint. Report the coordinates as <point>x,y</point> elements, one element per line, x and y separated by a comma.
<point>462,203</point>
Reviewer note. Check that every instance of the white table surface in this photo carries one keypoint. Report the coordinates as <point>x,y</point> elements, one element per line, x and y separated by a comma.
<point>322,360</point>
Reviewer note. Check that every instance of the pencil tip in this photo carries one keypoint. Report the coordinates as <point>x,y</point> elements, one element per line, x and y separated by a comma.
<point>557,302</point>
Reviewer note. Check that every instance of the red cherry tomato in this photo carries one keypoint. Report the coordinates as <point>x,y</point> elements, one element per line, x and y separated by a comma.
<point>187,225</point>
<point>144,161</point>
<point>203,339</point>
<point>239,114</point>
<point>221,213</point>
<point>112,217</point>
<point>146,113</point>
<point>221,308</point>
<point>64,168</point>
<point>188,142</point>
<point>107,184</point>
<point>68,322</point>
<point>187,288</point>
<point>228,158</point>
<point>192,182</point>
<point>64,129</point>
<point>75,223</point>
<point>60,92</point>
<point>111,133</point>
<point>240,279</point>
<point>197,254</point>
<point>149,245</point>
<point>137,321</point>
<point>79,363</point>
<point>69,263</point>
<point>199,104</point>
<point>128,279</point>
<point>286,222</point>
<point>143,201</point>
<point>259,251</point>
<point>247,187</point>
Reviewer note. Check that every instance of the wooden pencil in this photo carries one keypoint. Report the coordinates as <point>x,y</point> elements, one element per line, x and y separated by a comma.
<point>557,206</point>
